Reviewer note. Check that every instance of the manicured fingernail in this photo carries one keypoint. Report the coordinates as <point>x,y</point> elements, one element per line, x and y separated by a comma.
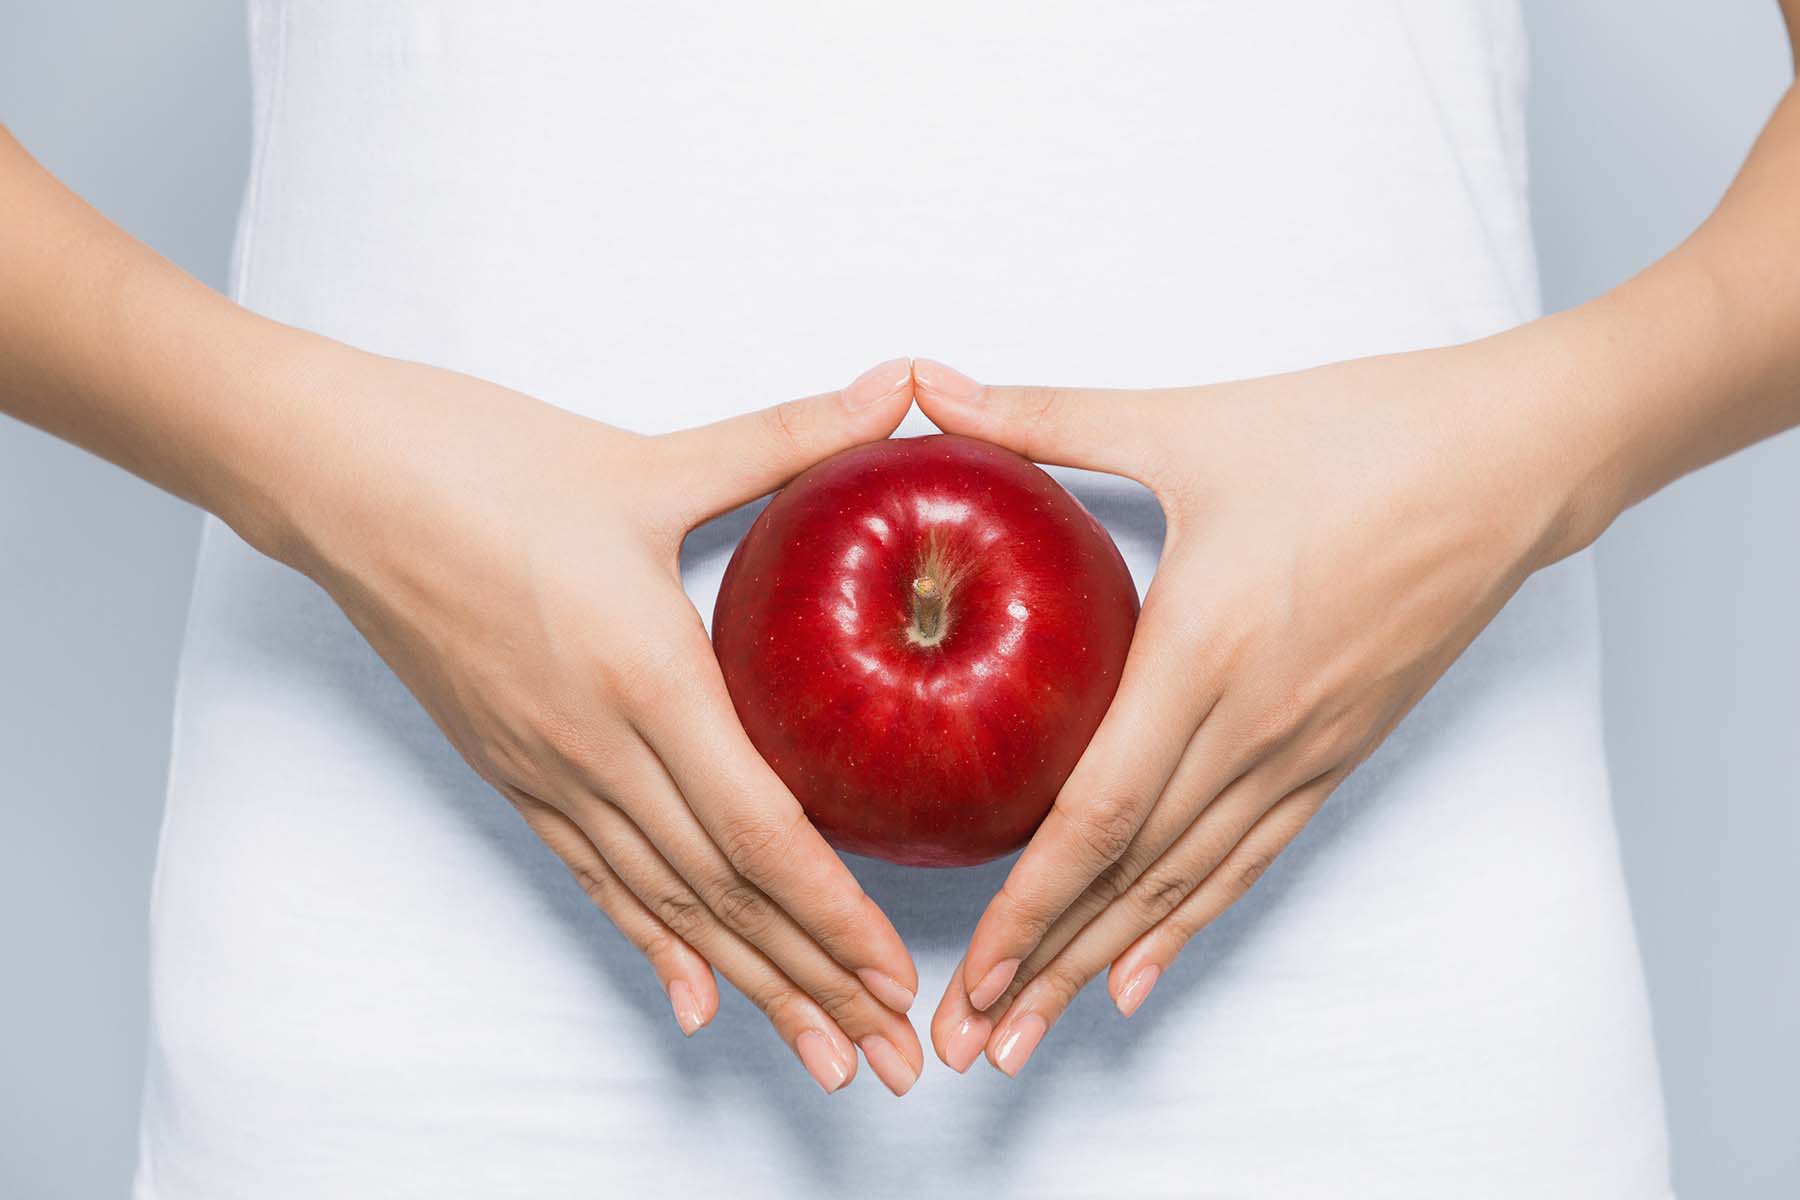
<point>946,382</point>
<point>1018,1043</point>
<point>886,988</point>
<point>893,1070</point>
<point>1137,988</point>
<point>877,383</point>
<point>821,1060</point>
<point>686,1006</point>
<point>993,983</point>
<point>961,1047</point>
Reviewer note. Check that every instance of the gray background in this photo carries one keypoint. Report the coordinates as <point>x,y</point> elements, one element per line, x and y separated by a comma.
<point>1641,111</point>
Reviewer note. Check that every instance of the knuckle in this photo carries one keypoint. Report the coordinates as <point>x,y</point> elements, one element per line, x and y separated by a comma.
<point>682,913</point>
<point>503,762</point>
<point>756,848</point>
<point>837,925</point>
<point>1196,636</point>
<point>1236,631</point>
<point>660,946</point>
<point>563,736</point>
<point>539,817</point>
<point>1028,918</point>
<point>842,1004</point>
<point>1118,877</point>
<point>1159,893</point>
<point>1061,983</point>
<point>597,885</point>
<point>583,745</point>
<point>745,910</point>
<point>1107,822</point>
<point>1112,882</point>
<point>1307,695</point>
<point>1249,868</point>
<point>1265,732</point>
<point>773,996</point>
<point>1323,746</point>
<point>656,669</point>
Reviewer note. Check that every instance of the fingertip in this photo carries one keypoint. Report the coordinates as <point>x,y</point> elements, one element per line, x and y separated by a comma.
<point>895,1070</point>
<point>885,988</point>
<point>947,1026</point>
<point>831,1065</point>
<point>880,386</point>
<point>1008,929</point>
<point>941,1020</point>
<point>936,383</point>
<point>1012,1046</point>
<point>707,990</point>
<point>1136,971</point>
<point>991,984</point>
<point>1131,995</point>
<point>900,963</point>
<point>891,975</point>
<point>963,1044</point>
<point>690,1012</point>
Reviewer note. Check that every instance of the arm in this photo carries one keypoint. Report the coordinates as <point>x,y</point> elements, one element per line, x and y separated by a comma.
<point>470,533</point>
<point>1336,538</point>
<point>1697,356</point>
<point>106,345</point>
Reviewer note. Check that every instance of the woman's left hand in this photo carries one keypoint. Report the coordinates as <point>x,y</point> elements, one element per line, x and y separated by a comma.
<point>1335,538</point>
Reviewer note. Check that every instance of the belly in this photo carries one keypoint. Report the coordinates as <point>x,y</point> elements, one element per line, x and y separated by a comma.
<point>368,973</point>
<point>370,979</point>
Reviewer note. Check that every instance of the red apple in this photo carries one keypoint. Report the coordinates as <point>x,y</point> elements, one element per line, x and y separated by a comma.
<point>920,635</point>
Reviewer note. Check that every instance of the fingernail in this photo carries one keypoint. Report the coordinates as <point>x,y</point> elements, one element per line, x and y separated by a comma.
<point>993,983</point>
<point>1137,988</point>
<point>893,1069</point>
<point>947,382</point>
<point>1020,1040</point>
<point>961,1047</point>
<point>821,1060</point>
<point>686,1006</point>
<point>877,383</point>
<point>886,988</point>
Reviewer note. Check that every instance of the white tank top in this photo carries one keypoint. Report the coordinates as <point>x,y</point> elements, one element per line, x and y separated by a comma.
<point>368,977</point>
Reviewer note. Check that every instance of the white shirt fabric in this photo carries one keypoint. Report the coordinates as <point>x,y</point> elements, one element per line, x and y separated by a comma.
<point>369,980</point>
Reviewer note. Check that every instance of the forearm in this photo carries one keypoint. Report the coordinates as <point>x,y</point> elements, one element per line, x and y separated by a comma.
<point>1696,357</point>
<point>107,345</point>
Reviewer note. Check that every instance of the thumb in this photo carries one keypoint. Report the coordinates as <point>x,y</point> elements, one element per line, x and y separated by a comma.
<point>1111,430</point>
<point>733,461</point>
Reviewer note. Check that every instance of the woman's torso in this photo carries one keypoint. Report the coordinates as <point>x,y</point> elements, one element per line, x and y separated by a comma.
<point>368,979</point>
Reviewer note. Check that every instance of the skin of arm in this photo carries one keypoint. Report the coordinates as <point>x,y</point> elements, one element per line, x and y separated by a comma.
<point>1336,538</point>
<point>517,566</point>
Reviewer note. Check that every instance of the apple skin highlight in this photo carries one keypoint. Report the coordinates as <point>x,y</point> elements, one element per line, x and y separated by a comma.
<point>920,636</point>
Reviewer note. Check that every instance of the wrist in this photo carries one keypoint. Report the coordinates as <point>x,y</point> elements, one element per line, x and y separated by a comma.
<point>1540,482</point>
<point>332,453</point>
<point>1658,377</point>
<point>1605,387</point>
<point>1582,473</point>
<point>272,447</point>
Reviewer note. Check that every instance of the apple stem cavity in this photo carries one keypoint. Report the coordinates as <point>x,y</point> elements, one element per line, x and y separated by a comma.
<point>928,626</point>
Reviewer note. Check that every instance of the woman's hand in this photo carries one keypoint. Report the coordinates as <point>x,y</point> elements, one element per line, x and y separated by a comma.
<point>1336,537</point>
<point>516,566</point>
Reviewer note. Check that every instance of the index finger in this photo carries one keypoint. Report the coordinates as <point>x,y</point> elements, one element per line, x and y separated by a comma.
<point>762,830</point>
<point>1101,807</point>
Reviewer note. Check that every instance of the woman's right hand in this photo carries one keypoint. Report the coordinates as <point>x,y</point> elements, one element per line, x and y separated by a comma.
<point>516,566</point>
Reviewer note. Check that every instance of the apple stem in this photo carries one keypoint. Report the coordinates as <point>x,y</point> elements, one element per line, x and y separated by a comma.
<point>927,611</point>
